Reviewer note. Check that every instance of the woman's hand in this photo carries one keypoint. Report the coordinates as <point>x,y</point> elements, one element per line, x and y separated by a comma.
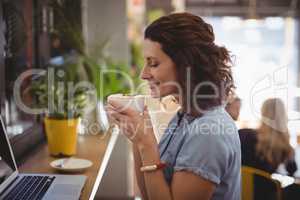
<point>136,126</point>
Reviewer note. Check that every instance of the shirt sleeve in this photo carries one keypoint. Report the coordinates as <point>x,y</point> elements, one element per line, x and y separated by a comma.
<point>205,151</point>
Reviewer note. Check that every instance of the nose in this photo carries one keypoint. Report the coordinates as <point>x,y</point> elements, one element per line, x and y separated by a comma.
<point>145,73</point>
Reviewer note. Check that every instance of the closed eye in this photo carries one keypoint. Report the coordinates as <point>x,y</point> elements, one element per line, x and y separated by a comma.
<point>153,65</point>
<point>152,62</point>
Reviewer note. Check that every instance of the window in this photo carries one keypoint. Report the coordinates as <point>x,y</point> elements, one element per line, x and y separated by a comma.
<point>26,33</point>
<point>19,53</point>
<point>266,63</point>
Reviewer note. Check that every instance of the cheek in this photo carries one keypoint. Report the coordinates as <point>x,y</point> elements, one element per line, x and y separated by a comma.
<point>169,84</point>
<point>165,75</point>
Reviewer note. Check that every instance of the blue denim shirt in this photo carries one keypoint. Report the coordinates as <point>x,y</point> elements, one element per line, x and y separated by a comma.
<point>208,146</point>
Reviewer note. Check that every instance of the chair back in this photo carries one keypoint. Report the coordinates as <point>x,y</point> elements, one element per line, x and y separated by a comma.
<point>258,185</point>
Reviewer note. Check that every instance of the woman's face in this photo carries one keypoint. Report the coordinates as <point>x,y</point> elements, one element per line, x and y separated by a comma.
<point>159,70</point>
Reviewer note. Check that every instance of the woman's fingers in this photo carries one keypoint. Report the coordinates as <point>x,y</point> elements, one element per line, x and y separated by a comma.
<point>117,106</point>
<point>130,122</point>
<point>116,116</point>
<point>110,114</point>
<point>108,109</point>
<point>124,109</point>
<point>119,117</point>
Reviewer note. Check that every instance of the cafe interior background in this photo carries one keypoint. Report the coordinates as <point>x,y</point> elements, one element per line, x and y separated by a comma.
<point>263,36</point>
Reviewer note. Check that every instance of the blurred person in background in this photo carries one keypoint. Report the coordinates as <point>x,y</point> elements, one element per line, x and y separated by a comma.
<point>57,48</point>
<point>268,146</point>
<point>233,107</point>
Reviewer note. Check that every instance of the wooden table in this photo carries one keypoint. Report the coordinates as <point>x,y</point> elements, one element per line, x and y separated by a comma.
<point>90,147</point>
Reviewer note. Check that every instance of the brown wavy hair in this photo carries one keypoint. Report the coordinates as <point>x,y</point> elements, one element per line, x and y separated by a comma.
<point>273,135</point>
<point>189,41</point>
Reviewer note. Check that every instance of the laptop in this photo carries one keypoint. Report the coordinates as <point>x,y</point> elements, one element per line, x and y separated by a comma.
<point>17,186</point>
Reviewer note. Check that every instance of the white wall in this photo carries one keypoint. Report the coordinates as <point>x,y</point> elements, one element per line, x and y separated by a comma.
<point>106,20</point>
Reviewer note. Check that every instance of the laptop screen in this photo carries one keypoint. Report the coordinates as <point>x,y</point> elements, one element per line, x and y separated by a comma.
<point>7,166</point>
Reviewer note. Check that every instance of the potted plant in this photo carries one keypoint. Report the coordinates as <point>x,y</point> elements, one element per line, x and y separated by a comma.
<point>101,70</point>
<point>63,96</point>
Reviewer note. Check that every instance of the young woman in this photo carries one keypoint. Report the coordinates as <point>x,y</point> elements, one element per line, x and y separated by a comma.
<point>199,156</point>
<point>268,146</point>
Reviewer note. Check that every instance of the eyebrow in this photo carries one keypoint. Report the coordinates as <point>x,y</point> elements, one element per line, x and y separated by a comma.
<point>151,57</point>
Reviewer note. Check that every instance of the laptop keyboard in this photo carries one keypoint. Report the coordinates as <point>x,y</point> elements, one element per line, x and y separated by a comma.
<point>30,188</point>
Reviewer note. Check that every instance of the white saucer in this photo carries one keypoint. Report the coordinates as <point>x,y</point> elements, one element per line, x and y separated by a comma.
<point>71,164</point>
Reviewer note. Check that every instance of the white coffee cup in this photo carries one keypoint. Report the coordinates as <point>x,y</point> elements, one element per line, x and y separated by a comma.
<point>136,102</point>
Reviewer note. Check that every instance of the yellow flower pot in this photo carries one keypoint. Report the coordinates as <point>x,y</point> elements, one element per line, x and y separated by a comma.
<point>61,136</point>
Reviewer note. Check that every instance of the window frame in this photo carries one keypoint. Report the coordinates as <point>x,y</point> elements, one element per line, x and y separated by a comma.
<point>22,144</point>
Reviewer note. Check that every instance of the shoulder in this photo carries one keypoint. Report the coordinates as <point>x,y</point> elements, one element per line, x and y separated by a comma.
<point>215,132</point>
<point>216,121</point>
<point>209,149</point>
